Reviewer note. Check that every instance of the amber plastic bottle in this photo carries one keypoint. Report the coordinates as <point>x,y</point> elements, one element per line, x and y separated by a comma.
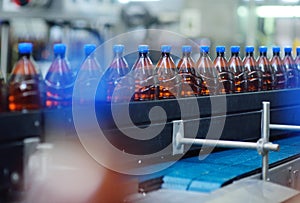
<point>297,63</point>
<point>143,73</point>
<point>23,83</point>
<point>237,68</point>
<point>3,94</point>
<point>90,72</point>
<point>255,81</point>
<point>168,80</point>
<point>226,77</point>
<point>280,74</point>
<point>268,73</point>
<point>117,69</point>
<point>59,80</point>
<point>290,68</point>
<point>208,73</point>
<point>190,79</point>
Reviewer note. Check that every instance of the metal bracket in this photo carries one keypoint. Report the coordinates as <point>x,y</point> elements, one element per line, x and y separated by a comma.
<point>178,134</point>
<point>260,146</point>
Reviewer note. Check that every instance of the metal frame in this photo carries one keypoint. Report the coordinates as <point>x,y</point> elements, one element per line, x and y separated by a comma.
<point>263,146</point>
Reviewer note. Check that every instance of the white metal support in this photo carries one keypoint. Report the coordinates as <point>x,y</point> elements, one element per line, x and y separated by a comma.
<point>265,134</point>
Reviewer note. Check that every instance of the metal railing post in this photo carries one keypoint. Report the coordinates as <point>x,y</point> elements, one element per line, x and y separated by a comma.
<point>265,134</point>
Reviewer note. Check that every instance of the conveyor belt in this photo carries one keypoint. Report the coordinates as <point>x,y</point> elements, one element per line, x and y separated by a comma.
<point>220,168</point>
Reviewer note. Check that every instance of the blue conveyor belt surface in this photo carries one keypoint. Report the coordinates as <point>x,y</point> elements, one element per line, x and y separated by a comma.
<point>212,172</point>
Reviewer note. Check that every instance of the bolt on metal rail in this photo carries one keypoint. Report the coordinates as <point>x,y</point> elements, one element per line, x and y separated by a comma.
<point>263,146</point>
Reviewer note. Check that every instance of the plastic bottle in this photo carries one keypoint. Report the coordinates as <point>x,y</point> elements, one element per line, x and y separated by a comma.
<point>297,63</point>
<point>208,73</point>
<point>90,72</point>
<point>237,68</point>
<point>3,94</point>
<point>59,80</point>
<point>280,74</point>
<point>143,73</point>
<point>23,83</point>
<point>117,69</point>
<point>226,77</point>
<point>290,68</point>
<point>167,75</point>
<point>268,73</point>
<point>254,74</point>
<point>190,79</point>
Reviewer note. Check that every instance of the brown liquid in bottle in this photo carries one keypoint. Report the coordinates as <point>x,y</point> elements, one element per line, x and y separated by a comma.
<point>297,64</point>
<point>23,86</point>
<point>3,94</point>
<point>226,77</point>
<point>208,73</point>
<point>289,65</point>
<point>117,69</point>
<point>280,75</point>
<point>253,73</point>
<point>167,75</point>
<point>237,68</point>
<point>145,88</point>
<point>268,74</point>
<point>190,79</point>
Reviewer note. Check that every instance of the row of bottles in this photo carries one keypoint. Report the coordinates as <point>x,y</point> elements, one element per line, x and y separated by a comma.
<point>27,90</point>
<point>207,77</point>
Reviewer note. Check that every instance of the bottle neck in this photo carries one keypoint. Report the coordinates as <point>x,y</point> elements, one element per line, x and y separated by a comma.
<point>59,55</point>
<point>220,54</point>
<point>118,54</point>
<point>143,54</point>
<point>165,54</point>
<point>27,55</point>
<point>249,54</point>
<point>288,54</point>
<point>236,54</point>
<point>186,54</point>
<point>263,54</point>
<point>298,53</point>
<point>276,54</point>
<point>205,54</point>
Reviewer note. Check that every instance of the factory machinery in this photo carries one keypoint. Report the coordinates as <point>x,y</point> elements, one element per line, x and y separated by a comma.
<point>224,148</point>
<point>260,130</point>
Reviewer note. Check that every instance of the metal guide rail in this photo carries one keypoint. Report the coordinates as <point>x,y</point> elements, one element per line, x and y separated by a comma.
<point>263,146</point>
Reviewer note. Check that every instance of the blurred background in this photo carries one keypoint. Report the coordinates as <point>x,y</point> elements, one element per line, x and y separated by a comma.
<point>77,22</point>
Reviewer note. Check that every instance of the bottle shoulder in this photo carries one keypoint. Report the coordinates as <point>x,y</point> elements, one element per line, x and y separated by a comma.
<point>249,62</point>
<point>165,63</point>
<point>220,63</point>
<point>288,60</point>
<point>263,61</point>
<point>204,62</point>
<point>185,63</point>
<point>24,66</point>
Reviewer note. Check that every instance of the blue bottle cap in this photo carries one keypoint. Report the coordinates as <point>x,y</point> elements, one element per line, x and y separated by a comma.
<point>118,48</point>
<point>143,48</point>
<point>186,48</point>
<point>59,49</point>
<point>249,49</point>
<point>166,48</point>
<point>25,48</point>
<point>89,48</point>
<point>287,49</point>
<point>276,49</point>
<point>298,49</point>
<point>220,48</point>
<point>263,49</point>
<point>204,49</point>
<point>235,49</point>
